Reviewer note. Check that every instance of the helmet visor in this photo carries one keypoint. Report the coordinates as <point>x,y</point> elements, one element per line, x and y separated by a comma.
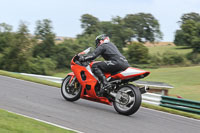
<point>97,41</point>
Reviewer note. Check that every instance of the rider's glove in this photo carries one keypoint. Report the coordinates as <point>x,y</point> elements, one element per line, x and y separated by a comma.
<point>81,58</point>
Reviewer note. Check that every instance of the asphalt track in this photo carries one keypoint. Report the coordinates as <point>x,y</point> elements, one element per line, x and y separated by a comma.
<point>46,103</point>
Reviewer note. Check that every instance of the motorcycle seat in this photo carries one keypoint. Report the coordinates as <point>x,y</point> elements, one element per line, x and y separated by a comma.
<point>116,72</point>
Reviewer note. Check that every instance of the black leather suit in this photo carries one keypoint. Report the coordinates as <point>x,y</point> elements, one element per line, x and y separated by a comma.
<point>115,61</point>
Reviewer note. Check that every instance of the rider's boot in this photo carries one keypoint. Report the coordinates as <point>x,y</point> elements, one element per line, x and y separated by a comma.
<point>103,80</point>
<point>106,85</point>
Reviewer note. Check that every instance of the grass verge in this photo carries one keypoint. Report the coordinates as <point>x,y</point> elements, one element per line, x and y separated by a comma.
<point>184,79</point>
<point>27,78</point>
<point>12,123</point>
<point>173,111</point>
<point>161,49</point>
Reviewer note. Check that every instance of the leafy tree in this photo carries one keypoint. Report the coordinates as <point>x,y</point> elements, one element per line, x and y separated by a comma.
<point>179,39</point>
<point>45,37</point>
<point>90,24</point>
<point>5,27</point>
<point>137,53</point>
<point>107,28</point>
<point>67,49</point>
<point>190,16</point>
<point>145,26</point>
<point>6,36</point>
<point>18,53</point>
<point>189,34</point>
<point>64,53</point>
<point>112,30</point>
<point>117,31</point>
<point>85,41</point>
<point>38,65</point>
<point>196,39</point>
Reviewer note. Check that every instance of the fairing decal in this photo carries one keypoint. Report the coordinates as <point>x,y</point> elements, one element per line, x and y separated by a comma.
<point>90,71</point>
<point>131,71</point>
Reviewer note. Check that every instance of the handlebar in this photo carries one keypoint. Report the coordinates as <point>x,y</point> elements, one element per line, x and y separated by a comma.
<point>76,60</point>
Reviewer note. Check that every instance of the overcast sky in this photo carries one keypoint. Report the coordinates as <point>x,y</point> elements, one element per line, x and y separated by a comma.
<point>66,14</point>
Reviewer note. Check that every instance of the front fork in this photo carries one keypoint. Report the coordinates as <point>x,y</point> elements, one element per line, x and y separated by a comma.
<point>72,80</point>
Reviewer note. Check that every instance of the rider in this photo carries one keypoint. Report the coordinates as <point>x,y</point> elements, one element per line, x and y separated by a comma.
<point>115,61</point>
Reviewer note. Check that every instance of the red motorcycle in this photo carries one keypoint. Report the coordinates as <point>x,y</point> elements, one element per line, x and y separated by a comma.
<point>82,83</point>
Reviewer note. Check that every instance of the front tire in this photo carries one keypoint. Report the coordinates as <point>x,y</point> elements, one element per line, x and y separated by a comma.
<point>71,92</point>
<point>128,100</point>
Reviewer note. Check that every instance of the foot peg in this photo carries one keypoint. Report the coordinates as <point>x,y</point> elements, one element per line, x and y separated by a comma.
<point>105,89</point>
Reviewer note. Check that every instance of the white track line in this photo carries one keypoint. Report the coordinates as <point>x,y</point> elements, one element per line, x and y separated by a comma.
<point>47,122</point>
<point>171,114</point>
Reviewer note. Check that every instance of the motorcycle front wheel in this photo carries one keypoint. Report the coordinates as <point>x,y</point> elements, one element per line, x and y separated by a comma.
<point>71,89</point>
<point>128,100</point>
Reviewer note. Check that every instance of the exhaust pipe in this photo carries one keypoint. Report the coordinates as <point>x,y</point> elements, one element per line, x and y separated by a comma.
<point>144,89</point>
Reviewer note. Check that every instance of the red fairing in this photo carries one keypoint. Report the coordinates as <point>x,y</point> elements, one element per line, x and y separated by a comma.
<point>71,74</point>
<point>90,82</point>
<point>107,75</point>
<point>130,72</point>
<point>72,61</point>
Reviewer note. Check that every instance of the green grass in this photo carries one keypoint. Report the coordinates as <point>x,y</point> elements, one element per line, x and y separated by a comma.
<point>186,80</point>
<point>162,49</point>
<point>61,73</point>
<point>12,123</point>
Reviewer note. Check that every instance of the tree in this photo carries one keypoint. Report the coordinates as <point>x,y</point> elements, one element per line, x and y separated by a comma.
<point>83,42</point>
<point>189,33</point>
<point>190,16</point>
<point>179,39</point>
<point>137,53</point>
<point>196,39</point>
<point>5,27</point>
<point>6,36</point>
<point>43,66</point>
<point>64,53</point>
<point>117,31</point>
<point>90,24</point>
<point>15,57</point>
<point>45,36</point>
<point>145,26</point>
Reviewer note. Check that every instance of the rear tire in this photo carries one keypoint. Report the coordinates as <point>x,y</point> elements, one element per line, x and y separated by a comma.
<point>128,100</point>
<point>70,93</point>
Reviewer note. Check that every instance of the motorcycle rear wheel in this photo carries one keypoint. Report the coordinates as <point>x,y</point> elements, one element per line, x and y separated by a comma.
<point>128,100</point>
<point>71,93</point>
